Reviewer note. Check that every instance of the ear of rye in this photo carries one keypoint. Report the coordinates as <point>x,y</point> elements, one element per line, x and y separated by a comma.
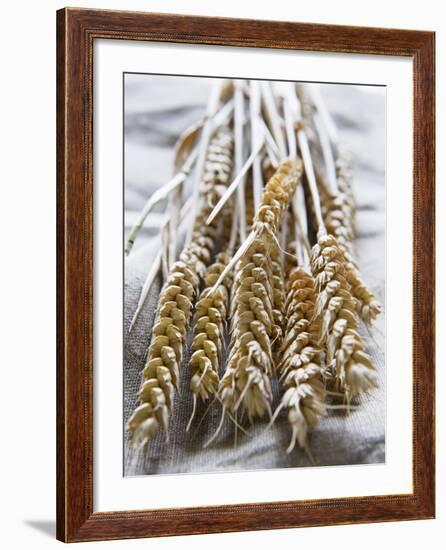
<point>300,369</point>
<point>160,376</point>
<point>254,323</point>
<point>350,368</point>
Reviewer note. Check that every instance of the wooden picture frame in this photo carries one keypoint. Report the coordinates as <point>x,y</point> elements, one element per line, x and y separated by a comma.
<point>76,31</point>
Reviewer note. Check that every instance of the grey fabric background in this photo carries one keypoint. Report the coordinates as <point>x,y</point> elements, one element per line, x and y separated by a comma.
<point>157,110</point>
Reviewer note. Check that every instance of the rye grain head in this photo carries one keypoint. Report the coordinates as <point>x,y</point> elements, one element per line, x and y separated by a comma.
<point>218,166</point>
<point>335,309</point>
<point>300,369</point>
<point>344,178</point>
<point>257,300</point>
<point>250,363</point>
<point>367,305</point>
<point>160,375</point>
<point>339,213</point>
<point>211,313</point>
<point>161,372</point>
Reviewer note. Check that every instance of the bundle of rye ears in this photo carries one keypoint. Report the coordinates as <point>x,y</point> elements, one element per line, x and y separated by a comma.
<point>266,280</point>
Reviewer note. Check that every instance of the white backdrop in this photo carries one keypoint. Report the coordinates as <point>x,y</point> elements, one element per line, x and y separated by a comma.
<point>28,276</point>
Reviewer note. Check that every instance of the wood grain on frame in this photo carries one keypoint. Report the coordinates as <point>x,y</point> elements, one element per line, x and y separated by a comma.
<point>76,31</point>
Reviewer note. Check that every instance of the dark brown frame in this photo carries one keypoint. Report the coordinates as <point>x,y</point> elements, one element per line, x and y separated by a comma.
<point>76,31</point>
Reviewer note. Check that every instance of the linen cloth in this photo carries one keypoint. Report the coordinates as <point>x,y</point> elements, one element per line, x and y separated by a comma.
<point>157,111</point>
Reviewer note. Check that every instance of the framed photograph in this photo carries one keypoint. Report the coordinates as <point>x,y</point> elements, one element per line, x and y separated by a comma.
<point>245,275</point>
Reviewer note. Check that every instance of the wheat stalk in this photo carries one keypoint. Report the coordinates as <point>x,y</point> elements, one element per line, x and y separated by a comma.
<point>336,312</point>
<point>256,129</point>
<point>307,109</point>
<point>218,166</point>
<point>203,148</point>
<point>273,117</point>
<point>335,309</point>
<point>161,372</point>
<point>210,318</point>
<point>339,217</point>
<point>300,368</point>
<point>246,381</point>
<point>239,120</point>
<point>367,304</point>
<point>338,203</point>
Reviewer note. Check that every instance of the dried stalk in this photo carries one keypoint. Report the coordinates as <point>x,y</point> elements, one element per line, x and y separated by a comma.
<point>291,113</point>
<point>327,153</point>
<point>239,115</point>
<point>217,167</point>
<point>272,116</point>
<point>335,310</point>
<point>250,364</point>
<point>161,371</point>
<point>300,369</point>
<point>210,319</point>
<point>306,106</point>
<point>339,206</point>
<point>339,217</point>
<point>327,119</point>
<point>256,130</point>
<point>218,90</point>
<point>367,304</point>
<point>184,145</point>
<point>211,315</point>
